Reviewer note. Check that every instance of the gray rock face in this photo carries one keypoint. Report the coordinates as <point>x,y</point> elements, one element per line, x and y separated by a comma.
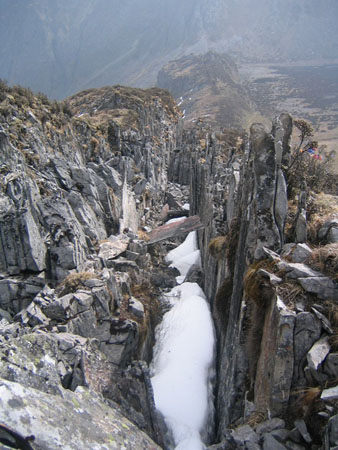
<point>269,198</point>
<point>32,412</point>
<point>307,331</point>
<point>69,214</point>
<point>276,362</point>
<point>329,231</point>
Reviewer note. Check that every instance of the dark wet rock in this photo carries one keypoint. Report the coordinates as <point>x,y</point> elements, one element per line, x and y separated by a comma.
<point>122,265</point>
<point>166,278</point>
<point>194,275</point>
<point>293,446</point>
<point>302,428</point>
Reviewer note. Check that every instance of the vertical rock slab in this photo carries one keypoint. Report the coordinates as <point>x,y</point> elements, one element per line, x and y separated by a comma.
<point>275,364</point>
<point>21,243</point>
<point>263,224</point>
<point>307,331</point>
<point>281,130</point>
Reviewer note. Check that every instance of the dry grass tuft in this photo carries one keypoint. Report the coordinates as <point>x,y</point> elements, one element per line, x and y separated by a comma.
<point>333,340</point>
<point>74,281</point>
<point>331,308</point>
<point>256,418</point>
<point>217,247</point>
<point>305,398</point>
<point>325,259</point>
<point>254,284</point>
<point>143,235</point>
<point>321,207</point>
<point>290,292</point>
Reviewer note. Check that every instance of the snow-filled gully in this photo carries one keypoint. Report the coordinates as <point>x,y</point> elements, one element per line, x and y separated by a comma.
<point>182,366</point>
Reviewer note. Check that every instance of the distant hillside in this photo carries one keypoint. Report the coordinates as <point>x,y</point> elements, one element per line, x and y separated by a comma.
<point>207,88</point>
<point>61,47</point>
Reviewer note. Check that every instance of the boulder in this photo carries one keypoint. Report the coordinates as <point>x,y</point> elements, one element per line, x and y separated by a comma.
<point>74,420</point>
<point>324,287</point>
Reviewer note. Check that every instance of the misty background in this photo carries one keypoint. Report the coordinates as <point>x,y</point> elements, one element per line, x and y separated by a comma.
<point>60,47</point>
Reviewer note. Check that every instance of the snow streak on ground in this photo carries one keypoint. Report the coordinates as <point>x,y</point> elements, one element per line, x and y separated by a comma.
<point>183,357</point>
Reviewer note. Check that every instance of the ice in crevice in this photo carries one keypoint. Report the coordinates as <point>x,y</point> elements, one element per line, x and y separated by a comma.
<point>182,365</point>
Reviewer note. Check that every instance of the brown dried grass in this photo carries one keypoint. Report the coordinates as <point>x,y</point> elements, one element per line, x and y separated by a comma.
<point>74,281</point>
<point>217,247</point>
<point>325,259</point>
<point>254,284</point>
<point>143,235</point>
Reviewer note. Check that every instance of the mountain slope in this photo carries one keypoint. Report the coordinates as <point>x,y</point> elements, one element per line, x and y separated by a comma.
<point>207,88</point>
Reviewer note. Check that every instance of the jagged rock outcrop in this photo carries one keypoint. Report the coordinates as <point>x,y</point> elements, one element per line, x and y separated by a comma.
<point>81,183</point>
<point>271,314</point>
<point>76,187</point>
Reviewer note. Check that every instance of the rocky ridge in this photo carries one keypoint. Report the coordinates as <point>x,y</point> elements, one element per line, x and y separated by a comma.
<point>208,89</point>
<point>80,184</point>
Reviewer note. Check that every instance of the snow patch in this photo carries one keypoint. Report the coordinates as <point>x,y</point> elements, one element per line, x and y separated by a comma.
<point>182,365</point>
<point>184,256</point>
<point>183,355</point>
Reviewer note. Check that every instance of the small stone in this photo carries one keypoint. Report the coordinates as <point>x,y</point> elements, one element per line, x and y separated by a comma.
<point>270,443</point>
<point>330,394</point>
<point>245,433</point>
<point>302,428</point>
<point>324,287</point>
<point>325,322</point>
<point>270,425</point>
<point>136,307</point>
<point>274,280</point>
<point>318,353</point>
